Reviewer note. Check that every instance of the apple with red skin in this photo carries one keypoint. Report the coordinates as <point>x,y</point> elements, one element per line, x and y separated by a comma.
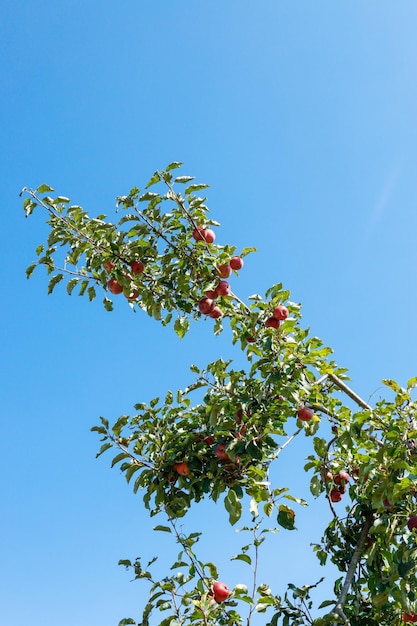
<point>215,312</point>
<point>272,322</point>
<point>211,293</point>
<point>281,312</point>
<point>133,295</point>
<point>412,522</point>
<point>305,413</point>
<point>204,234</point>
<point>341,478</point>
<point>409,617</point>
<point>137,267</point>
<point>209,440</point>
<point>220,452</point>
<point>335,495</point>
<point>236,263</point>
<point>206,305</point>
<point>114,287</point>
<point>224,270</point>
<point>223,288</point>
<point>220,592</point>
<point>108,266</point>
<point>250,338</point>
<point>182,469</point>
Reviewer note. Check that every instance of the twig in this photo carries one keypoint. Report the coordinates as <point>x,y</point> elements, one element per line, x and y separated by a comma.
<point>349,392</point>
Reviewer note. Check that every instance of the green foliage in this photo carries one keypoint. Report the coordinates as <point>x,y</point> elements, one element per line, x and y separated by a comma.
<point>219,437</point>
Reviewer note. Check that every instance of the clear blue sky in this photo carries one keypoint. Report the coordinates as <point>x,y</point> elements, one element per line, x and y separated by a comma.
<point>302,117</point>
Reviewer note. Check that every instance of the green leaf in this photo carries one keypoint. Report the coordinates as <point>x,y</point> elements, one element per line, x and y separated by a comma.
<point>103,448</point>
<point>44,189</point>
<point>233,506</point>
<point>173,166</point>
<point>54,281</point>
<point>197,187</point>
<point>30,269</point>
<point>153,180</point>
<point>71,284</point>
<point>242,557</point>
<point>183,179</point>
<point>181,326</point>
<point>165,529</point>
<point>119,457</point>
<point>286,517</point>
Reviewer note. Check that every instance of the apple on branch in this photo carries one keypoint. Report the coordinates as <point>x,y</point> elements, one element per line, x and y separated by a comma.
<point>220,592</point>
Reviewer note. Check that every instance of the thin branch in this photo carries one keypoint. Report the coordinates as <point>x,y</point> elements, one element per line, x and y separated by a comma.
<point>349,392</point>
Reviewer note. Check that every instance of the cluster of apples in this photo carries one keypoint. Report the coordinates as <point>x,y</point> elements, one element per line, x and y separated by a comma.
<point>115,287</point>
<point>340,481</point>
<point>279,314</point>
<point>207,304</point>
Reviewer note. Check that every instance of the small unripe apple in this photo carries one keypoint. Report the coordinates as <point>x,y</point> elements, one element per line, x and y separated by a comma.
<point>224,270</point>
<point>114,287</point>
<point>305,413</point>
<point>137,267</point>
<point>182,469</point>
<point>206,305</point>
<point>281,312</point>
<point>223,288</point>
<point>412,522</point>
<point>272,322</point>
<point>216,312</point>
<point>335,495</point>
<point>236,263</point>
<point>220,592</point>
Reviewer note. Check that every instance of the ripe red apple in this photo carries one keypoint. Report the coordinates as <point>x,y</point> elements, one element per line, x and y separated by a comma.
<point>209,440</point>
<point>224,270</point>
<point>341,478</point>
<point>108,266</point>
<point>216,312</point>
<point>220,452</point>
<point>223,288</point>
<point>220,592</point>
<point>210,293</point>
<point>236,263</point>
<point>206,305</point>
<point>335,495</point>
<point>281,312</point>
<point>137,267</point>
<point>204,234</point>
<point>305,413</point>
<point>272,322</point>
<point>250,338</point>
<point>409,617</point>
<point>114,287</point>
<point>182,469</point>
<point>133,295</point>
<point>412,522</point>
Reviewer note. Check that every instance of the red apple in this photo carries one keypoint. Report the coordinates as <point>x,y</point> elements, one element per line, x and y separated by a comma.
<point>220,592</point>
<point>305,413</point>
<point>250,338</point>
<point>210,293</point>
<point>216,312</point>
<point>412,522</point>
<point>114,287</point>
<point>209,440</point>
<point>209,235</point>
<point>137,267</point>
<point>281,312</point>
<point>272,322</point>
<point>204,234</point>
<point>108,266</point>
<point>236,263</point>
<point>223,288</point>
<point>182,469</point>
<point>341,478</point>
<point>409,617</point>
<point>133,295</point>
<point>224,270</point>
<point>335,495</point>
<point>220,452</point>
<point>206,305</point>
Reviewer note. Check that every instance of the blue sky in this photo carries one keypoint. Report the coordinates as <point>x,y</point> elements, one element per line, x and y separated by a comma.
<point>302,117</point>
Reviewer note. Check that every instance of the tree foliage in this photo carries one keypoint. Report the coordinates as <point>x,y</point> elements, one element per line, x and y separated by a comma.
<point>219,437</point>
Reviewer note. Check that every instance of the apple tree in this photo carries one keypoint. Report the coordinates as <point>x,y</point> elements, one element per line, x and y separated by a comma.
<point>219,437</point>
